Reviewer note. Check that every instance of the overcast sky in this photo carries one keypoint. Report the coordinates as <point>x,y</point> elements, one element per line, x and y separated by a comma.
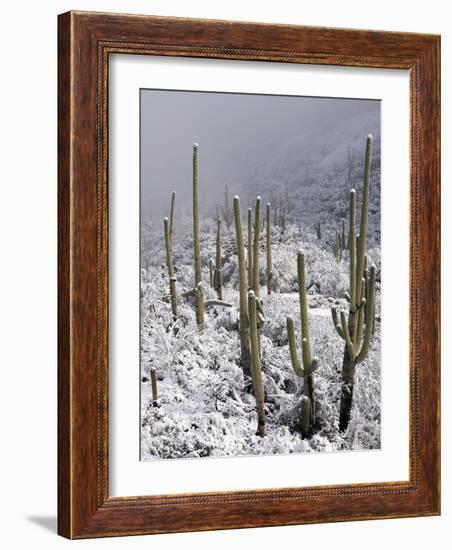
<point>235,133</point>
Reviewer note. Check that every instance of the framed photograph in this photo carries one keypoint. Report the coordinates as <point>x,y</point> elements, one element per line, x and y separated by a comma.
<point>249,264</point>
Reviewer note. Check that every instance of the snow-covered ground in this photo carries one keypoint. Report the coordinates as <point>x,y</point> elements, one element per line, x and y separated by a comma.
<point>203,408</point>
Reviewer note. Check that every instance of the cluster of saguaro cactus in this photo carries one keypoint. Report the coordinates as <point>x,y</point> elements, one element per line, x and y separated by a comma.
<point>215,274</point>
<point>356,329</point>
<point>226,210</point>
<point>310,364</point>
<point>251,311</point>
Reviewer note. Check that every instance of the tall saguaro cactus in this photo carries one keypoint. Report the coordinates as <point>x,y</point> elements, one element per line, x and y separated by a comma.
<point>250,248</point>
<point>357,329</point>
<point>227,210</point>
<point>218,276</point>
<point>256,373</point>
<point>171,219</point>
<point>169,263</point>
<point>245,356</point>
<point>168,246</point>
<point>310,364</point>
<point>269,250</point>
<point>196,239</point>
<point>257,227</point>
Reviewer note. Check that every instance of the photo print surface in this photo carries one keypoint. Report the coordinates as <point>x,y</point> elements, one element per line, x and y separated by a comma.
<point>260,274</point>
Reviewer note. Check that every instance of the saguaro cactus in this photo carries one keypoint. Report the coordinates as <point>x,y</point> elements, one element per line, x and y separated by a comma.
<point>169,263</point>
<point>256,373</point>
<point>211,273</point>
<point>171,219</point>
<point>357,329</point>
<point>199,305</point>
<point>218,275</point>
<point>338,247</point>
<point>173,296</point>
<point>250,248</point>
<point>257,227</point>
<point>344,241</point>
<point>227,210</point>
<point>269,251</point>
<point>310,364</point>
<point>155,396</point>
<point>244,319</point>
<point>169,255</point>
<point>196,239</point>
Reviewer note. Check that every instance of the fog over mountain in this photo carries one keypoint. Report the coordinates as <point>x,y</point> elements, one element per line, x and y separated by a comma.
<point>255,144</point>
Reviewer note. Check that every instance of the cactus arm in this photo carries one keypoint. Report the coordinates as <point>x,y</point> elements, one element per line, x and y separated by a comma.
<point>188,293</point>
<point>360,324</point>
<point>364,217</point>
<point>259,307</point>
<point>255,364</point>
<point>293,348</point>
<point>221,303</point>
<point>260,320</point>
<point>370,317</point>
<point>269,250</point>
<point>361,310</point>
<point>337,323</point>
<point>257,218</point>
<point>196,238</point>
<point>348,341</point>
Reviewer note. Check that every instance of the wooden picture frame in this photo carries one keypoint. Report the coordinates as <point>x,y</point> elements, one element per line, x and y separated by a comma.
<point>85,42</point>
